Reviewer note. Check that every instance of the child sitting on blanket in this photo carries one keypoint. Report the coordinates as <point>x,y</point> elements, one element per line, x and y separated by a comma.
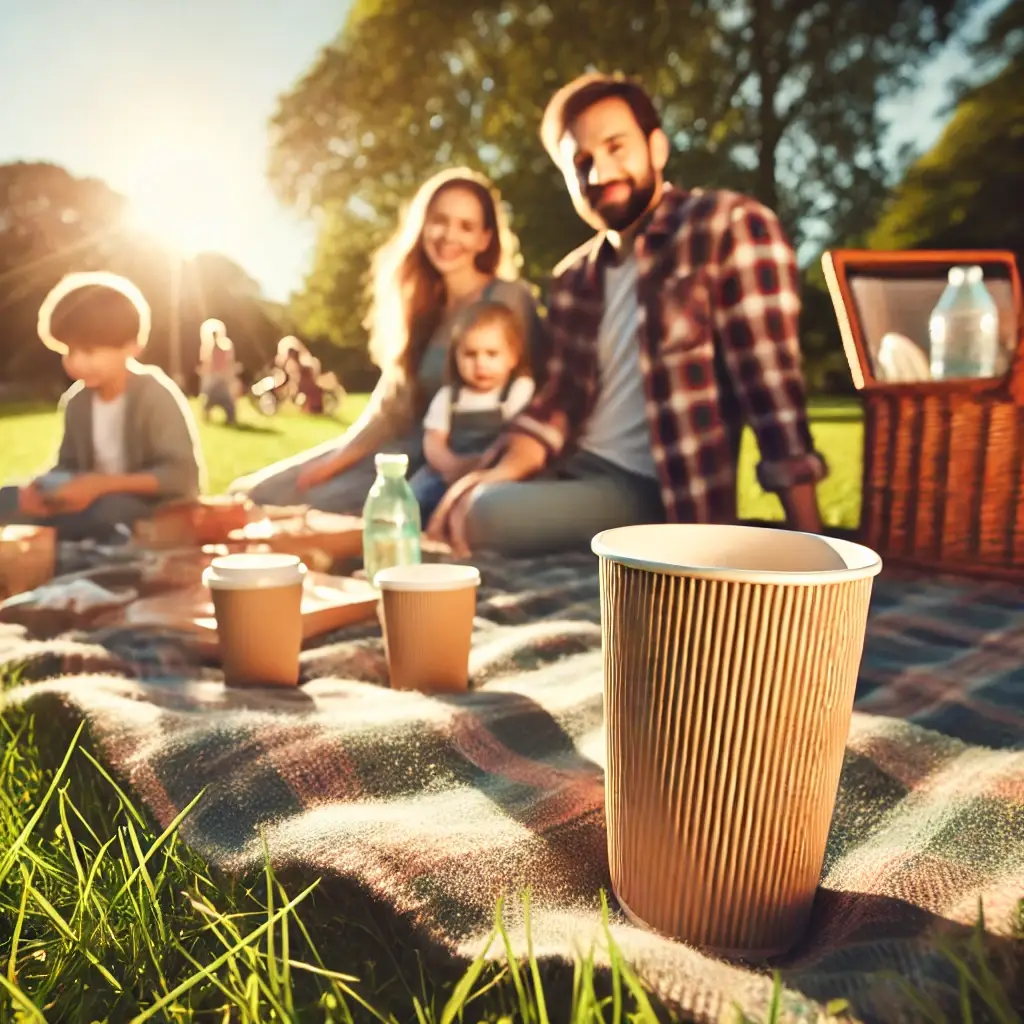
<point>130,441</point>
<point>490,383</point>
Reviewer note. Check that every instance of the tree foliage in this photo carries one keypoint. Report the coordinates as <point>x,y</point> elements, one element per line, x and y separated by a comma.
<point>52,223</point>
<point>965,192</point>
<point>779,98</point>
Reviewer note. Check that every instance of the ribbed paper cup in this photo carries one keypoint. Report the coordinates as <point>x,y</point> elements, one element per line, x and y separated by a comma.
<point>427,616</point>
<point>731,655</point>
<point>257,601</point>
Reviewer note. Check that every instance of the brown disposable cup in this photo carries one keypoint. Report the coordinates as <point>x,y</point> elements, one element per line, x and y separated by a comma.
<point>257,601</point>
<point>427,617</point>
<point>731,655</point>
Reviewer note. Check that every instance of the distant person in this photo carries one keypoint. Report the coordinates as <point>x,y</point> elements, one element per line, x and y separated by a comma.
<point>674,328</point>
<point>130,441</point>
<point>309,394</point>
<point>452,248</point>
<point>489,383</point>
<point>286,365</point>
<point>218,370</point>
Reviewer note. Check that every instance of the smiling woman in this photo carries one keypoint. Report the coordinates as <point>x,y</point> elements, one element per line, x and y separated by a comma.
<point>183,200</point>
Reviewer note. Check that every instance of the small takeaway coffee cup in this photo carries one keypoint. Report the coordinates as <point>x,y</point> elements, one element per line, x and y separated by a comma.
<point>731,656</point>
<point>427,613</point>
<point>257,601</point>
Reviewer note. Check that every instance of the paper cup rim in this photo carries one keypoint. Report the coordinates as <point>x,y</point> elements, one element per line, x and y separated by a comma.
<point>427,577</point>
<point>254,571</point>
<point>861,561</point>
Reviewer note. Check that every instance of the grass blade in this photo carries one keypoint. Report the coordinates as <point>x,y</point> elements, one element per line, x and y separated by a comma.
<point>27,1007</point>
<point>191,982</point>
<point>12,852</point>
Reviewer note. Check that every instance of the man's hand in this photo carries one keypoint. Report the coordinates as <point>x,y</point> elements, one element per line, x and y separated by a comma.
<point>32,502</point>
<point>316,473</point>
<point>77,494</point>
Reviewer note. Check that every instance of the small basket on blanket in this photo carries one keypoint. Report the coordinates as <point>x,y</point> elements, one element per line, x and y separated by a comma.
<point>182,524</point>
<point>27,558</point>
<point>943,484</point>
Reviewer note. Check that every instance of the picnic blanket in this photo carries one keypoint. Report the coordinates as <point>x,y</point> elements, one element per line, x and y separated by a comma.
<point>426,810</point>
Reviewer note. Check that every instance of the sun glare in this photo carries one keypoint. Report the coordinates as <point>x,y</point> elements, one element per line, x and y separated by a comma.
<point>181,199</point>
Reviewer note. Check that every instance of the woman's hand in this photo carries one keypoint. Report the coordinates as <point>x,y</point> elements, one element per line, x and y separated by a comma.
<point>318,472</point>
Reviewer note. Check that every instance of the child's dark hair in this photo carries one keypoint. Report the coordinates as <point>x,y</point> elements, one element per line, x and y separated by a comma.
<point>94,310</point>
<point>488,314</point>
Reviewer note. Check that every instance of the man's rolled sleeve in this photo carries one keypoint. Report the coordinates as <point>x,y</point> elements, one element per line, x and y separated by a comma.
<point>758,313</point>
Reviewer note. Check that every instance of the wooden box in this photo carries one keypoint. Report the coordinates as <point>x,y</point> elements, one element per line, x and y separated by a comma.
<point>943,484</point>
<point>27,558</point>
<point>184,524</point>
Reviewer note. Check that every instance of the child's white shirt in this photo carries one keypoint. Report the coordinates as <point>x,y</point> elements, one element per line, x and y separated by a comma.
<point>108,447</point>
<point>439,413</point>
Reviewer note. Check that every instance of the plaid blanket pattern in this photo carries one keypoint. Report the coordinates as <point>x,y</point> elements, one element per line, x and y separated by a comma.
<point>430,809</point>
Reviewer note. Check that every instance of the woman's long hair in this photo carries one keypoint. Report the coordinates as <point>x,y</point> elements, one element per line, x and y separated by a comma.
<point>407,294</point>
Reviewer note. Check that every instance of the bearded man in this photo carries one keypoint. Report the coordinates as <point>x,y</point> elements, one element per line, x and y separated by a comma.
<point>671,329</point>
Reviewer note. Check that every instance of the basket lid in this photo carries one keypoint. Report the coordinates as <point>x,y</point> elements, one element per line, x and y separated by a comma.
<point>883,301</point>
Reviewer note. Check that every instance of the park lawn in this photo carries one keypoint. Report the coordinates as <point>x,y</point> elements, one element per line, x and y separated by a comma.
<point>29,435</point>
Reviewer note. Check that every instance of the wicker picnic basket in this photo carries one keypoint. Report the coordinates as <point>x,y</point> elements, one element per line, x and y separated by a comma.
<point>943,484</point>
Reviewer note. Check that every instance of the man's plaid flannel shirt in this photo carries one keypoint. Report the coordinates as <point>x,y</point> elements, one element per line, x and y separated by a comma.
<point>719,347</point>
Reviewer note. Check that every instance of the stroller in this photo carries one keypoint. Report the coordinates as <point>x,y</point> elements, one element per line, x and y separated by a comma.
<point>321,395</point>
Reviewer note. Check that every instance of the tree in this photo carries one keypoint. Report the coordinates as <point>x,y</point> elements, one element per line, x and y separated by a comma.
<point>52,223</point>
<point>965,191</point>
<point>776,97</point>
<point>332,304</point>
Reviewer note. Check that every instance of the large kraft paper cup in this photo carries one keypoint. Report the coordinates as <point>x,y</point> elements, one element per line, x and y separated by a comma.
<point>731,655</point>
<point>257,601</point>
<point>427,616</point>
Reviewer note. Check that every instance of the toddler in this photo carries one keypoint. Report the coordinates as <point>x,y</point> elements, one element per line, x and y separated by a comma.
<point>489,384</point>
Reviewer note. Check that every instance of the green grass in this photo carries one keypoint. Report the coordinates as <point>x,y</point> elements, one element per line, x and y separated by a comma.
<point>103,917</point>
<point>29,435</point>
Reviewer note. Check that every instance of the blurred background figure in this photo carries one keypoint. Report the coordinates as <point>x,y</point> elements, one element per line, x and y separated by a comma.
<point>218,370</point>
<point>297,376</point>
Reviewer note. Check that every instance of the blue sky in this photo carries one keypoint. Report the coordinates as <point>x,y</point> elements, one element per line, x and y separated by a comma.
<point>150,95</point>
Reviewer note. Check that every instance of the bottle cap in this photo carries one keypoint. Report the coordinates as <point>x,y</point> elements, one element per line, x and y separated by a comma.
<point>391,465</point>
<point>956,275</point>
<point>975,275</point>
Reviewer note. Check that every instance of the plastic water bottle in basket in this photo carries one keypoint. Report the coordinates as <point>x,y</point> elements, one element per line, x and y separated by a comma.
<point>964,329</point>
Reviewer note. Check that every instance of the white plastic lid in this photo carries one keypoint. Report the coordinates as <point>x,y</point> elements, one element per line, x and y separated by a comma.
<point>427,576</point>
<point>391,464</point>
<point>256,570</point>
<point>737,554</point>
